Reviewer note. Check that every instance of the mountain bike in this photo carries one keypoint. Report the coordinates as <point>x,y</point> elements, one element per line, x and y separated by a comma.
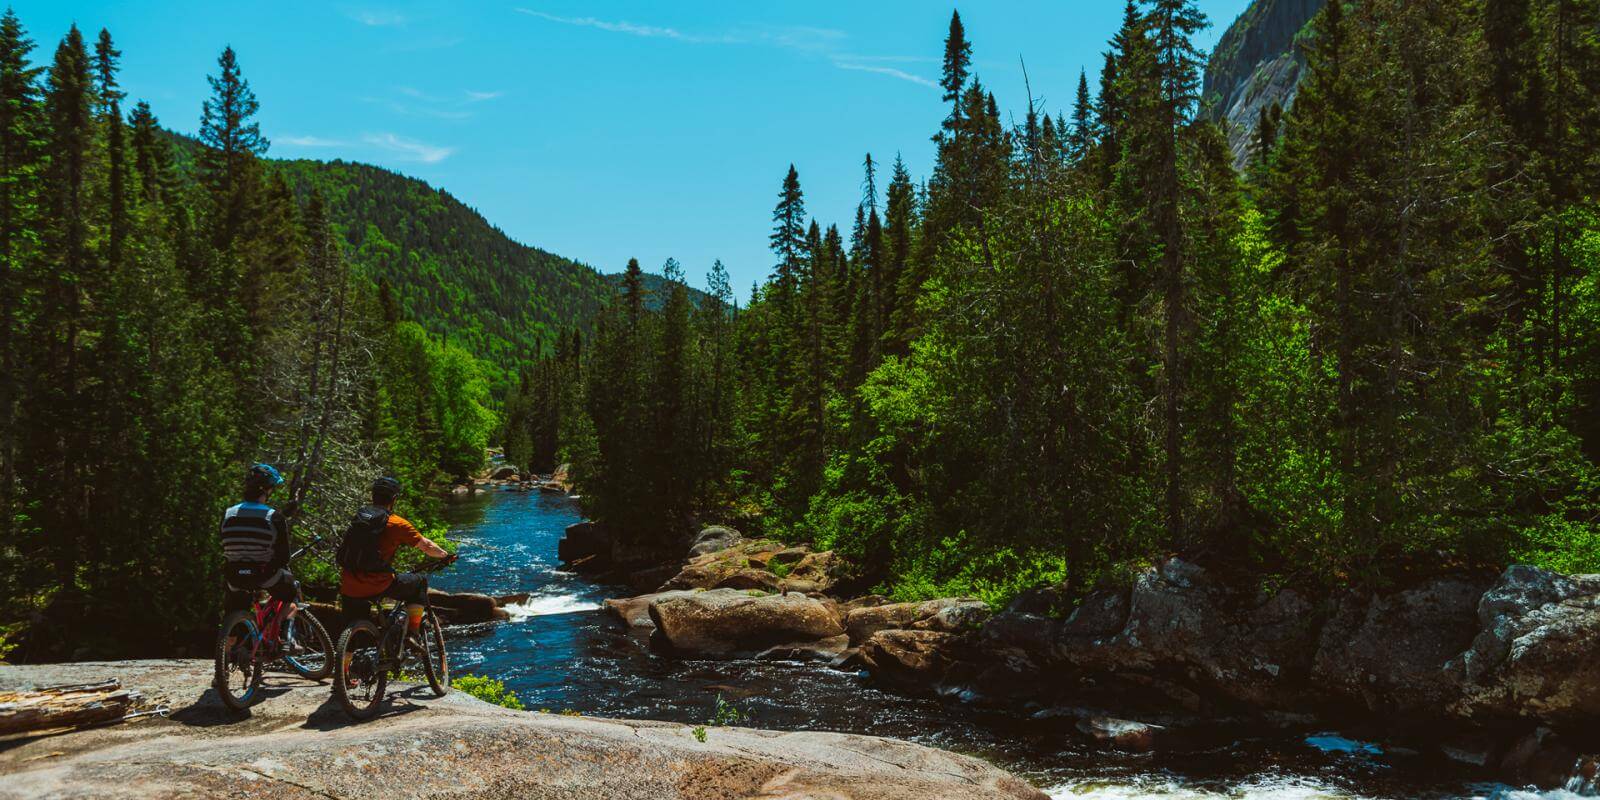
<point>251,638</point>
<point>373,651</point>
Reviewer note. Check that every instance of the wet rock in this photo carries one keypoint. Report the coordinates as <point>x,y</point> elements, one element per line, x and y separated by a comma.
<point>635,611</point>
<point>1122,734</point>
<point>910,660</point>
<point>728,622</point>
<point>1390,650</point>
<point>585,540</point>
<point>465,608</point>
<point>503,473</point>
<point>1536,652</point>
<point>946,615</point>
<point>829,650</point>
<point>714,539</point>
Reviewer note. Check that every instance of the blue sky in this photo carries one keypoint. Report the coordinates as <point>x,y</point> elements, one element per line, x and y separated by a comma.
<point>605,130</point>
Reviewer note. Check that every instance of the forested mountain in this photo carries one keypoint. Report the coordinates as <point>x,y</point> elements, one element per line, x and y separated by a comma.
<point>449,269</point>
<point>1087,341</point>
<point>1256,67</point>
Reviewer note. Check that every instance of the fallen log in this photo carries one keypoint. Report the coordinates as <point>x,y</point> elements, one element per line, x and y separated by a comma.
<point>64,706</point>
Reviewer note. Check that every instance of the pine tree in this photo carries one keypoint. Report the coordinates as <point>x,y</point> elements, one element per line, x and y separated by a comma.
<point>21,165</point>
<point>788,233</point>
<point>110,105</point>
<point>56,405</point>
<point>232,140</point>
<point>1082,135</point>
<point>957,63</point>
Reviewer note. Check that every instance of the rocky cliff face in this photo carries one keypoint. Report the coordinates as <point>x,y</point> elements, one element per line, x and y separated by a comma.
<point>1255,65</point>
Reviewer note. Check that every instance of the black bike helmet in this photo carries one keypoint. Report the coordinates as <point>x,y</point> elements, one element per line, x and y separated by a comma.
<point>385,489</point>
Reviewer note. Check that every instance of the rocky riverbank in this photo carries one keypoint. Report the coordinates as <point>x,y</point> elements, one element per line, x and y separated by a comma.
<point>298,744</point>
<point>1498,671</point>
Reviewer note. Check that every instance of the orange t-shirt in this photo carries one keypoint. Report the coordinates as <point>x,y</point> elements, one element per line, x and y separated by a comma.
<point>371,584</point>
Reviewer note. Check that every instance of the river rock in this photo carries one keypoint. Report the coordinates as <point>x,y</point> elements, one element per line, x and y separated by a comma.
<point>910,660</point>
<point>505,472</point>
<point>585,540</point>
<point>947,615</point>
<point>728,622</point>
<point>635,611</point>
<point>296,744</point>
<point>464,608</point>
<point>1179,619</point>
<point>713,539</point>
<point>1536,649</point>
<point>1122,734</point>
<point>1390,650</point>
<point>750,565</point>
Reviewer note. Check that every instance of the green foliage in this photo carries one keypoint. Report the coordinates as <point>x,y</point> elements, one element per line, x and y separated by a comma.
<point>1083,347</point>
<point>173,311</point>
<point>488,690</point>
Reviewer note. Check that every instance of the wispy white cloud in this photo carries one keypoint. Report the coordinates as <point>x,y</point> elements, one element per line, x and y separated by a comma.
<point>623,26</point>
<point>408,149</point>
<point>824,42</point>
<point>890,71</point>
<point>479,97</point>
<point>307,141</point>
<point>377,18</point>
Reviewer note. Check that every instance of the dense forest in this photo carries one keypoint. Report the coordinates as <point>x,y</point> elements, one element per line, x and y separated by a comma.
<point>1087,340</point>
<point>174,311</point>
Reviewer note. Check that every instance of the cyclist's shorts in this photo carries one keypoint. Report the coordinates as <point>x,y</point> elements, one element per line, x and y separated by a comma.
<point>242,583</point>
<point>407,587</point>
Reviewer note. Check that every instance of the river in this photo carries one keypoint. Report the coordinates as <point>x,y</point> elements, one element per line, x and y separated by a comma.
<point>561,653</point>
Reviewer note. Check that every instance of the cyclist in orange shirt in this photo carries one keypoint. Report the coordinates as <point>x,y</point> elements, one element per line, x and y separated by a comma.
<point>365,574</point>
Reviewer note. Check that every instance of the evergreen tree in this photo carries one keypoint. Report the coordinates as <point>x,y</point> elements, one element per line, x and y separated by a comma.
<point>232,140</point>
<point>21,165</point>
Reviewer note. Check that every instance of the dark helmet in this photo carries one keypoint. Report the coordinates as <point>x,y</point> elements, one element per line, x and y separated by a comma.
<point>262,476</point>
<point>385,488</point>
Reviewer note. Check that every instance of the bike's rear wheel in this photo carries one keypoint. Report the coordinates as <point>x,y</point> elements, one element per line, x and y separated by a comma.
<point>315,661</point>
<point>435,661</point>
<point>360,675</point>
<point>238,671</point>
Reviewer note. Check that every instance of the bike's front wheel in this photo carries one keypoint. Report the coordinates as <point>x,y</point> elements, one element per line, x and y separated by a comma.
<point>315,659</point>
<point>435,661</point>
<point>238,671</point>
<point>360,674</point>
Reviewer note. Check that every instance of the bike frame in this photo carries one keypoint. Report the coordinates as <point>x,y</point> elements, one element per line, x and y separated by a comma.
<point>271,615</point>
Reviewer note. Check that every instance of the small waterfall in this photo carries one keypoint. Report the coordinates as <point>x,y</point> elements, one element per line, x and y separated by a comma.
<point>1585,780</point>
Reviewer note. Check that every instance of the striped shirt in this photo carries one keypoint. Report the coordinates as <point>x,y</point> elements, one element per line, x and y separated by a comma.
<point>255,534</point>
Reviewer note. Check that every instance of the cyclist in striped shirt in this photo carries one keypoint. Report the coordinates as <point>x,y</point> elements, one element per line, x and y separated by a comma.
<point>255,544</point>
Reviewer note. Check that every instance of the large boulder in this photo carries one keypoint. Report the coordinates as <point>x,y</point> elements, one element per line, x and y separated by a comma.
<point>1534,651</point>
<point>461,608</point>
<point>634,612</point>
<point>1389,650</point>
<point>714,539</point>
<point>584,540</point>
<point>728,622</point>
<point>1177,618</point>
<point>759,564</point>
<point>296,744</point>
<point>504,472</point>
<point>913,661</point>
<point>946,615</point>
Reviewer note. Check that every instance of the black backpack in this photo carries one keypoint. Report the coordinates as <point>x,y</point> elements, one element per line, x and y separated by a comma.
<point>359,550</point>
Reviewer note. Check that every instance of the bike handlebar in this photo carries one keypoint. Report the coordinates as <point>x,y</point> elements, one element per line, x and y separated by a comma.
<point>315,540</point>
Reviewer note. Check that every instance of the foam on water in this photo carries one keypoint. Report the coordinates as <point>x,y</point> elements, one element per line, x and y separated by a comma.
<point>545,605</point>
<point>1273,788</point>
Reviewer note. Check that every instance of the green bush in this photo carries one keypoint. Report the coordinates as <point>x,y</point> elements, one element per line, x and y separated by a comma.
<point>488,690</point>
